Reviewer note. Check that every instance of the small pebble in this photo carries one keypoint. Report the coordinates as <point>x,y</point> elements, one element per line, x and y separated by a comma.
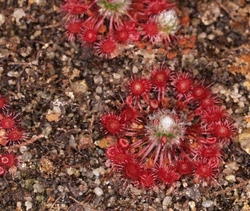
<point>2,19</point>
<point>230,178</point>
<point>134,69</point>
<point>207,203</point>
<point>97,171</point>
<point>192,205</point>
<point>70,171</point>
<point>97,182</point>
<point>18,14</point>
<point>79,87</point>
<point>37,33</point>
<point>13,74</point>
<point>211,36</point>
<point>98,191</point>
<point>28,203</point>
<point>38,188</point>
<point>202,36</point>
<point>98,79</point>
<point>244,141</point>
<point>166,201</point>
<point>26,157</point>
<point>98,90</point>
<point>23,149</point>
<point>116,76</point>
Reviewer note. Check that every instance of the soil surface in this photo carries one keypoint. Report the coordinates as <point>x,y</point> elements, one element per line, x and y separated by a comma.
<point>61,89</point>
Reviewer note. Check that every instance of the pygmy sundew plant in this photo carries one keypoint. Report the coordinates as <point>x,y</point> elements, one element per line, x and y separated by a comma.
<point>110,25</point>
<point>170,126</point>
<point>10,133</point>
<point>10,130</point>
<point>7,161</point>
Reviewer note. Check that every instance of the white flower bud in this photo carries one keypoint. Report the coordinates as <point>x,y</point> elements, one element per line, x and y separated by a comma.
<point>166,123</point>
<point>168,21</point>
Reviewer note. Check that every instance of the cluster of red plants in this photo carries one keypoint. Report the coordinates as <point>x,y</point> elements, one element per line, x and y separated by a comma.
<point>10,133</point>
<point>170,126</point>
<point>110,25</point>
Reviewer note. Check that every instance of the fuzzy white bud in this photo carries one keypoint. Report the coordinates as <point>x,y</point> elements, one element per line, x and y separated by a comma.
<point>166,123</point>
<point>168,21</point>
<point>113,8</point>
